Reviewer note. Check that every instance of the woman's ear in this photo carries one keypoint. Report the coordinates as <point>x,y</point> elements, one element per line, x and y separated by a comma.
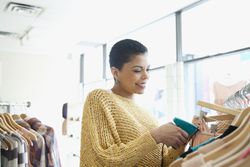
<point>114,72</point>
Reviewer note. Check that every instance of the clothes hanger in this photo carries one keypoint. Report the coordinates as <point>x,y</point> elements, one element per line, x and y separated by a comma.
<point>229,146</point>
<point>3,127</point>
<point>17,117</point>
<point>10,123</point>
<point>239,118</point>
<point>234,149</point>
<point>219,108</point>
<point>27,134</point>
<point>229,115</point>
<point>23,116</point>
<point>224,120</point>
<point>2,130</point>
<point>242,163</point>
<point>219,117</point>
<point>233,159</point>
<point>17,129</point>
<point>211,148</point>
<point>4,122</point>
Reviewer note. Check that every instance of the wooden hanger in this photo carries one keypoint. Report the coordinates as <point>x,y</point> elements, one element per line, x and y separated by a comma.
<point>3,127</point>
<point>222,149</point>
<point>242,163</point>
<point>233,143</point>
<point>4,122</point>
<point>224,120</point>
<point>27,134</point>
<point>238,146</point>
<point>219,108</point>
<point>24,123</point>
<point>233,159</point>
<point>241,122</point>
<point>16,129</point>
<point>234,147</point>
<point>223,117</point>
<point>8,120</point>
<point>239,118</point>
<point>2,131</point>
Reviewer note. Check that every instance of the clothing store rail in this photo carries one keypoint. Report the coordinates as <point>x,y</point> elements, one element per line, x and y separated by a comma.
<point>9,104</point>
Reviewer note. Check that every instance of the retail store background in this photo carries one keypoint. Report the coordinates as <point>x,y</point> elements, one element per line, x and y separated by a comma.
<point>47,58</point>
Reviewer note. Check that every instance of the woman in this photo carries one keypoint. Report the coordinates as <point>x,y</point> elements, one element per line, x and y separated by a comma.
<point>116,131</point>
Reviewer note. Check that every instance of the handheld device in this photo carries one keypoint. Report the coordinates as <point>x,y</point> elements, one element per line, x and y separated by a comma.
<point>191,129</point>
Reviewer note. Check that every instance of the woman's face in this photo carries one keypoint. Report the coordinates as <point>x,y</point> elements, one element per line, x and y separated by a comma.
<point>133,76</point>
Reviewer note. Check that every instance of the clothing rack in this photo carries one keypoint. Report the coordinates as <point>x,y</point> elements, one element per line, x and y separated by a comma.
<point>9,104</point>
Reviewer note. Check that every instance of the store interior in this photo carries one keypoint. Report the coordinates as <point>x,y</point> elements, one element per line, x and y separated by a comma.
<point>52,54</point>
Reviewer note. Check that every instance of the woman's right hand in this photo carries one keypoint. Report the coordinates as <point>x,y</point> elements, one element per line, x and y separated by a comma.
<point>171,135</point>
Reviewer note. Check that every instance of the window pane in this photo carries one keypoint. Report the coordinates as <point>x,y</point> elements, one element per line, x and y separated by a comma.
<point>154,98</point>
<point>159,38</point>
<point>93,64</point>
<point>229,73</point>
<point>215,27</point>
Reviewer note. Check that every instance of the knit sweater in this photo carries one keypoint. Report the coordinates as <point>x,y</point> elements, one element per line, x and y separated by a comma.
<point>115,132</point>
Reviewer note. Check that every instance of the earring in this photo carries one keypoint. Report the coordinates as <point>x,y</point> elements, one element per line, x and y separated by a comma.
<point>117,81</point>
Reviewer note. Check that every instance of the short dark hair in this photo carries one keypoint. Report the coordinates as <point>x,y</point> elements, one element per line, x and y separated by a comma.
<point>124,50</point>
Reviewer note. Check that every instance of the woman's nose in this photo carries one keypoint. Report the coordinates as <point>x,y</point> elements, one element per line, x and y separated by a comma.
<point>146,75</point>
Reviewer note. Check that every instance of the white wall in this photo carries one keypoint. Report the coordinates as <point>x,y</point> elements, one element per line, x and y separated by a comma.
<point>47,81</point>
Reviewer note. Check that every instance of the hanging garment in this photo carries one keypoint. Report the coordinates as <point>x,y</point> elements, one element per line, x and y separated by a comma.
<point>240,99</point>
<point>9,157</point>
<point>222,92</point>
<point>51,148</point>
<point>203,134</point>
<point>230,129</point>
<point>37,150</point>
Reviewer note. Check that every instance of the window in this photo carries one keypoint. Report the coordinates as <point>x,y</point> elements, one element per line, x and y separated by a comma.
<point>215,27</point>
<point>159,38</point>
<point>93,64</point>
<point>154,97</point>
<point>229,73</point>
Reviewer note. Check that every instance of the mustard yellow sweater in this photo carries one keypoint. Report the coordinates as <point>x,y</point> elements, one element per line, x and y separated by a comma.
<point>115,132</point>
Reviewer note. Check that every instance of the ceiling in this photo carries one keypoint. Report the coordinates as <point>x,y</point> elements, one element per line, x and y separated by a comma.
<point>62,23</point>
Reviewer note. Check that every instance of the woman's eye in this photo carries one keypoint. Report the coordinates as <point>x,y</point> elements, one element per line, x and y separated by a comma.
<point>137,71</point>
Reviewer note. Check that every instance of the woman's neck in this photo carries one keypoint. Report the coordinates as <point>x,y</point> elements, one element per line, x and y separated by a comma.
<point>121,92</point>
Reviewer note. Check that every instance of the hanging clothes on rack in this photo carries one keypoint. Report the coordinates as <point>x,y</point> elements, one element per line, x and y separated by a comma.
<point>51,151</point>
<point>224,150</point>
<point>222,91</point>
<point>25,141</point>
<point>207,131</point>
<point>239,100</point>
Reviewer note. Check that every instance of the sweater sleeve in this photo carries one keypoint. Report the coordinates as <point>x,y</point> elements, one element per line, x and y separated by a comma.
<point>104,138</point>
<point>170,155</point>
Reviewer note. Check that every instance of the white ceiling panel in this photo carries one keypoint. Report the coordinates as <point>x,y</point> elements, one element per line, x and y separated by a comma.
<point>64,23</point>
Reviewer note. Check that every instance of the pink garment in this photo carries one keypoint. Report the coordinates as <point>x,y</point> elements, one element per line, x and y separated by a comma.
<point>222,92</point>
<point>203,134</point>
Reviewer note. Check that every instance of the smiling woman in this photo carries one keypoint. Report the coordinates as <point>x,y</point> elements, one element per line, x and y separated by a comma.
<point>118,132</point>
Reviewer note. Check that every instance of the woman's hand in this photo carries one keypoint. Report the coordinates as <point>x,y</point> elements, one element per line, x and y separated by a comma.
<point>170,135</point>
